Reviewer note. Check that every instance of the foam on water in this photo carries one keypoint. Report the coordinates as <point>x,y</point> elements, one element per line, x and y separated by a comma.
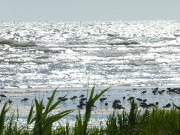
<point>73,54</point>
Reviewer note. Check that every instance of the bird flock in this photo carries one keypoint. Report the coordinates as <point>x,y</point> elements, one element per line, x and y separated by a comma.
<point>116,103</point>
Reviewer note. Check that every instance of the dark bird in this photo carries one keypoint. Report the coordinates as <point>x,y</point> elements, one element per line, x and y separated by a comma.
<point>144,100</point>
<point>25,99</point>
<point>139,99</point>
<point>118,106</point>
<point>151,105</point>
<point>106,104</point>
<point>102,99</point>
<point>144,92</point>
<point>80,106</point>
<point>124,98</point>
<point>2,95</point>
<point>130,98</point>
<point>175,89</point>
<point>155,90</point>
<point>9,101</point>
<point>160,92</point>
<point>59,98</point>
<point>83,99</point>
<point>157,103</point>
<point>63,99</point>
<point>82,102</point>
<point>81,96</point>
<point>74,97</point>
<point>143,105</point>
<point>171,90</point>
<point>116,101</point>
<point>167,106</point>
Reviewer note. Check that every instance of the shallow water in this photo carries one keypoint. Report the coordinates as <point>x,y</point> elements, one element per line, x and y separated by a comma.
<point>99,113</point>
<point>112,94</point>
<point>78,54</point>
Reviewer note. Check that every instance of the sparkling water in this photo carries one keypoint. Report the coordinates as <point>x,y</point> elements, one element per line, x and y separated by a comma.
<point>78,54</point>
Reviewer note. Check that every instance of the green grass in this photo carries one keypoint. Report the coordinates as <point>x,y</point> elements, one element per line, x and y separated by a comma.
<point>154,122</point>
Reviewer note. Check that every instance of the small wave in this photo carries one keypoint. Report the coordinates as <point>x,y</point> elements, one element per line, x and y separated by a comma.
<point>47,50</point>
<point>12,62</point>
<point>41,62</point>
<point>141,62</point>
<point>7,42</point>
<point>124,43</point>
<point>2,61</point>
<point>8,74</point>
<point>78,42</point>
<point>17,44</point>
<point>112,35</point>
<point>168,38</point>
<point>177,34</point>
<point>42,57</point>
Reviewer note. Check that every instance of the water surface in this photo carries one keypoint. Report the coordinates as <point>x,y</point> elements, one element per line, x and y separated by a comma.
<point>78,54</point>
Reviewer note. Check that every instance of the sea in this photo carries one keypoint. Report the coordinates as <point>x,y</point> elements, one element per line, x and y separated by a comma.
<point>87,53</point>
<point>128,56</point>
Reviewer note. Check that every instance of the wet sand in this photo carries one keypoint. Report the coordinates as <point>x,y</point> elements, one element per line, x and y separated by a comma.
<point>114,93</point>
<point>100,111</point>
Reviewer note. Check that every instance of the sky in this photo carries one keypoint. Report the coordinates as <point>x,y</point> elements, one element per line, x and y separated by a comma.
<point>86,10</point>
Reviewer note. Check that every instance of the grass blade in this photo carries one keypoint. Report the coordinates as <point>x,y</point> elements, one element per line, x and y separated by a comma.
<point>2,117</point>
<point>50,101</point>
<point>89,105</point>
<point>30,115</point>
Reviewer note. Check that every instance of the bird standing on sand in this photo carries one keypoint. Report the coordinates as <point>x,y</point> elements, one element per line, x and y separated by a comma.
<point>106,104</point>
<point>144,92</point>
<point>117,106</point>
<point>130,98</point>
<point>160,92</point>
<point>155,90</point>
<point>144,100</point>
<point>83,99</point>
<point>24,99</point>
<point>9,101</point>
<point>81,96</point>
<point>102,99</point>
<point>2,95</point>
<point>74,97</point>
<point>167,106</point>
<point>157,103</point>
<point>139,99</point>
<point>64,99</point>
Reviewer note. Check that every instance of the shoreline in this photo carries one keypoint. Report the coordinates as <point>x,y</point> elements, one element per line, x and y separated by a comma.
<point>16,95</point>
<point>99,113</point>
<point>41,89</point>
